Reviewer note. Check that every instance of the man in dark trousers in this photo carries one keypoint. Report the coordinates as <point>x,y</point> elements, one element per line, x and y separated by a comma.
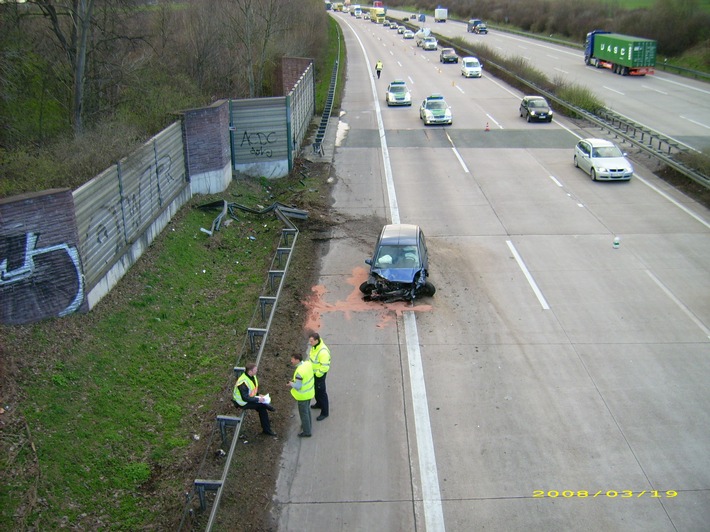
<point>246,395</point>
<point>378,68</point>
<point>320,358</point>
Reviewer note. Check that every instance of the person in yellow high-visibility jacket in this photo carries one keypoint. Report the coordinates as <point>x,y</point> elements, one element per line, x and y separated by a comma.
<point>246,395</point>
<point>303,390</point>
<point>378,68</point>
<point>319,356</point>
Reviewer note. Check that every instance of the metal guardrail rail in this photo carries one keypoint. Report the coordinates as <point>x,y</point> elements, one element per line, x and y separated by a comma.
<point>328,109</point>
<point>257,333</point>
<point>653,143</point>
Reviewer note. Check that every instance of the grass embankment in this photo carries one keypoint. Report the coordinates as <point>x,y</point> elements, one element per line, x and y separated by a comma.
<point>101,409</point>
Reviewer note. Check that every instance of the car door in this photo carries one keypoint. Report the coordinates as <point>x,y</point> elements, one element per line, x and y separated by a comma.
<point>584,152</point>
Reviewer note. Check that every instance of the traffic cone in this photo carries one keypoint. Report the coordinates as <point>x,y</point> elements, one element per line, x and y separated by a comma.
<point>488,128</point>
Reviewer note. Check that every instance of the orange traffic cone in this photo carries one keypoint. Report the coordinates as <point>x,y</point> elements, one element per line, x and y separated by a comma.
<point>487,127</point>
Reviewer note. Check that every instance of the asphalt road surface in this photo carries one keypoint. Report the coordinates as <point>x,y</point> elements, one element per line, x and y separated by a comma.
<point>554,382</point>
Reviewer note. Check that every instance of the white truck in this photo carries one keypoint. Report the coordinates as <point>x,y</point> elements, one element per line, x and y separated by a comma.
<point>441,14</point>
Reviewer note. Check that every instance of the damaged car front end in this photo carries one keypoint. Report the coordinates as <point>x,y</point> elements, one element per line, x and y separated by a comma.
<point>399,266</point>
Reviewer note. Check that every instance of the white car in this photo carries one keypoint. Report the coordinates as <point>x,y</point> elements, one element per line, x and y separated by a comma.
<point>602,159</point>
<point>429,43</point>
<point>471,67</point>
<point>398,94</point>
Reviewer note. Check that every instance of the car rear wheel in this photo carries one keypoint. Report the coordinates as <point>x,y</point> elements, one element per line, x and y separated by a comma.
<point>367,288</point>
<point>576,164</point>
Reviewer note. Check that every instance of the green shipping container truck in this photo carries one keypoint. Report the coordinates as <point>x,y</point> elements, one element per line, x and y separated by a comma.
<point>622,54</point>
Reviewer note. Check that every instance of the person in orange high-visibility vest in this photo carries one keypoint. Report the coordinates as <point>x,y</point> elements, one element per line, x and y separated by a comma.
<point>246,395</point>
<point>319,356</point>
<point>302,390</point>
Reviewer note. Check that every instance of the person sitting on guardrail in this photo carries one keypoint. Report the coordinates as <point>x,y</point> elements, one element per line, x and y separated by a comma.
<point>246,395</point>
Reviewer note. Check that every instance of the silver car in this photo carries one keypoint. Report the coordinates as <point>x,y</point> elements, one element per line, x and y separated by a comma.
<point>602,159</point>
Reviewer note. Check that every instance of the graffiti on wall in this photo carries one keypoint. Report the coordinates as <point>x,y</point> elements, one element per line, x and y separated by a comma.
<point>259,143</point>
<point>38,281</point>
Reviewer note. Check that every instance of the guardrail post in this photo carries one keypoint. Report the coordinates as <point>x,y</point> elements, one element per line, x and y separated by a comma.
<point>280,252</point>
<point>227,421</point>
<point>273,274</point>
<point>203,485</point>
<point>263,301</point>
<point>253,332</point>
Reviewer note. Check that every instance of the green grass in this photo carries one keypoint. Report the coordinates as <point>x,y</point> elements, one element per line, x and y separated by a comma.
<point>114,397</point>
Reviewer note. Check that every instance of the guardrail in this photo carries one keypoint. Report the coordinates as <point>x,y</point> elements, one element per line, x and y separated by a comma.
<point>653,143</point>
<point>328,109</point>
<point>257,334</point>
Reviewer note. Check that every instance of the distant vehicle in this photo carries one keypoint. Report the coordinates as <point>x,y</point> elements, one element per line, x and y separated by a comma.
<point>422,34</point>
<point>429,43</point>
<point>481,28</point>
<point>401,29</point>
<point>448,55</point>
<point>441,14</point>
<point>399,268</point>
<point>386,24</point>
<point>398,94</point>
<point>535,108</point>
<point>602,159</point>
<point>435,110</point>
<point>622,54</point>
<point>408,34</point>
<point>471,25</point>
<point>471,67</point>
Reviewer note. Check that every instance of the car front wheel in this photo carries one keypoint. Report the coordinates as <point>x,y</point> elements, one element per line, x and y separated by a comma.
<point>529,120</point>
<point>593,173</point>
<point>367,288</point>
<point>427,290</point>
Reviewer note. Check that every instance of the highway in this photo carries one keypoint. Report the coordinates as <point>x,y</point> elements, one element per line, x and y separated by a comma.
<point>554,382</point>
<point>675,106</point>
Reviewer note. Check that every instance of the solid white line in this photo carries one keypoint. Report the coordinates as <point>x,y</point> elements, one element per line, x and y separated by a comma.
<point>457,154</point>
<point>555,180</point>
<point>682,307</point>
<point>528,276</point>
<point>674,202</point>
<point>431,493</point>
<point>431,496</point>
<point>695,122</point>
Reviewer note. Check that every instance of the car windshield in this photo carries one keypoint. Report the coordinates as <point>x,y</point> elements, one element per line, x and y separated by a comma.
<point>606,151</point>
<point>471,64</point>
<point>398,89</point>
<point>436,104</point>
<point>397,257</point>
<point>537,103</point>
<point>448,51</point>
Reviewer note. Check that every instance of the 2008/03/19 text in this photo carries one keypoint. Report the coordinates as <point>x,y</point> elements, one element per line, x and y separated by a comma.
<point>623,494</point>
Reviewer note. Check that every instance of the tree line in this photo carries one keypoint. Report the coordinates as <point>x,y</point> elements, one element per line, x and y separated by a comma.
<point>677,25</point>
<point>69,66</point>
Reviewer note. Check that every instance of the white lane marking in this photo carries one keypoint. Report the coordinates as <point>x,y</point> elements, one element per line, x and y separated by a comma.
<point>410,79</point>
<point>674,202</point>
<point>560,70</point>
<point>612,90</point>
<point>431,493</point>
<point>682,307</point>
<point>457,154</point>
<point>528,276</point>
<point>494,121</point>
<point>431,497</point>
<point>555,180</point>
<point>654,90</point>
<point>695,122</point>
<point>685,86</point>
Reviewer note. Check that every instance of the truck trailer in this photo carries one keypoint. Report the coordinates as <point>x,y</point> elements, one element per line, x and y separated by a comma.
<point>441,14</point>
<point>622,54</point>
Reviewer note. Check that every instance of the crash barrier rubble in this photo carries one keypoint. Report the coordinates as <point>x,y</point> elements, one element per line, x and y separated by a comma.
<point>253,345</point>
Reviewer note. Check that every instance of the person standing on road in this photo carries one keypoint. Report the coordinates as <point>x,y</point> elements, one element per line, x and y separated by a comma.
<point>378,68</point>
<point>302,389</point>
<point>319,356</point>
<point>246,395</point>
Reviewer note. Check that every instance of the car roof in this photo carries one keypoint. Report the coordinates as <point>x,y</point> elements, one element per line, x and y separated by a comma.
<point>470,58</point>
<point>435,96</point>
<point>448,50</point>
<point>398,82</point>
<point>528,98</point>
<point>598,143</point>
<point>400,235</point>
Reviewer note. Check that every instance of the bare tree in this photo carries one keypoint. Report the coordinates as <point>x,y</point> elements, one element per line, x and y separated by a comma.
<point>254,24</point>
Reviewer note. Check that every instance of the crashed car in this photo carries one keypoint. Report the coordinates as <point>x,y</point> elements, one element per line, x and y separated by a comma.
<point>399,267</point>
